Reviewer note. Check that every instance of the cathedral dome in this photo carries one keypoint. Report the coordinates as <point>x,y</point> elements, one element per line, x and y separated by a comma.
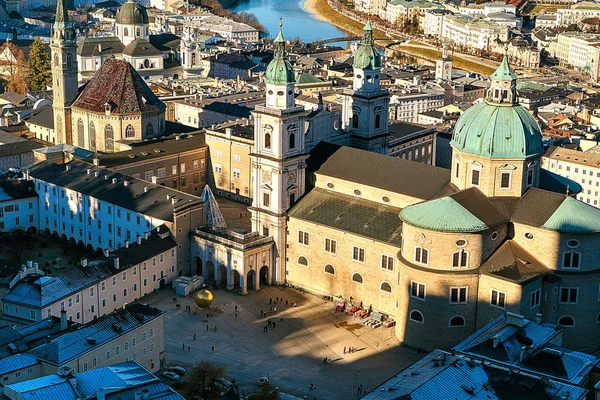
<point>367,56</point>
<point>499,127</point>
<point>279,70</point>
<point>131,13</point>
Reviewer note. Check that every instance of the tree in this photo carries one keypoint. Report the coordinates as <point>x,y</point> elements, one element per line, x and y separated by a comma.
<point>201,380</point>
<point>13,68</point>
<point>39,65</point>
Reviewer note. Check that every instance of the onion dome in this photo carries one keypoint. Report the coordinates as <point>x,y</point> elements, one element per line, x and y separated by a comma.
<point>131,13</point>
<point>499,127</point>
<point>367,55</point>
<point>279,70</point>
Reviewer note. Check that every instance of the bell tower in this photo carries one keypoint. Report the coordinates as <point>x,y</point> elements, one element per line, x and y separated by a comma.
<point>63,49</point>
<point>278,162</point>
<point>365,106</point>
<point>443,67</point>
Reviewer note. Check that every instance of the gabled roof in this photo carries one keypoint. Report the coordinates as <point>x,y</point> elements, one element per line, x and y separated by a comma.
<point>389,173</point>
<point>97,46</point>
<point>117,83</point>
<point>513,263</point>
<point>141,48</point>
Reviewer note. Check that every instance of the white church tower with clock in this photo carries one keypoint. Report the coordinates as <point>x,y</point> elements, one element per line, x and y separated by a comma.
<point>443,67</point>
<point>278,162</point>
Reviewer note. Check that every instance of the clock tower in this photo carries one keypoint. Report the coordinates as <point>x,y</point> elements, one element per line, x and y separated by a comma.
<point>278,161</point>
<point>443,67</point>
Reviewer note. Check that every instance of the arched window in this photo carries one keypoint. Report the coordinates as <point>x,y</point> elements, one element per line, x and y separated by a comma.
<point>69,60</point>
<point>292,141</point>
<point>456,322</point>
<point>357,278</point>
<point>193,59</point>
<point>80,133</point>
<point>129,131</point>
<point>355,121</point>
<point>329,269</point>
<point>267,141</point>
<point>421,255</point>
<point>386,287</point>
<point>417,316</point>
<point>149,129</point>
<point>56,62</point>
<point>138,32</point>
<point>377,121</point>
<point>92,137</point>
<point>302,261</point>
<point>109,139</point>
<point>460,259</point>
<point>146,63</point>
<point>126,31</point>
<point>567,321</point>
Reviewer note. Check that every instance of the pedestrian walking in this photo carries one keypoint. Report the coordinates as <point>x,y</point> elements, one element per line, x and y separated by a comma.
<point>344,349</point>
<point>206,328</point>
<point>274,309</point>
<point>270,309</point>
<point>213,349</point>
<point>183,346</point>
<point>207,314</point>
<point>267,328</point>
<point>273,323</point>
<point>215,328</point>
<point>194,337</point>
<point>270,300</point>
<point>188,348</point>
<point>286,302</point>
<point>276,299</point>
<point>174,300</point>
<point>235,315</point>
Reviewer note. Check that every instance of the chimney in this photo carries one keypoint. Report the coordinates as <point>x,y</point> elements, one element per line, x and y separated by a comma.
<point>523,353</point>
<point>96,174</point>
<point>84,262</point>
<point>139,239</point>
<point>515,319</point>
<point>63,320</point>
<point>116,261</point>
<point>173,200</point>
<point>68,168</point>
<point>146,235</point>
<point>29,264</point>
<point>146,188</point>
<point>496,341</point>
<point>114,180</point>
<point>126,182</point>
<point>106,252</point>
<point>127,244</point>
<point>155,180</point>
<point>106,177</point>
<point>538,318</point>
<point>89,171</point>
<point>96,161</point>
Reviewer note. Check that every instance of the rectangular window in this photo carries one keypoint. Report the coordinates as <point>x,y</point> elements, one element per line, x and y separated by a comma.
<point>303,238</point>
<point>94,362</point>
<point>218,168</point>
<point>330,246</point>
<point>505,180</point>
<point>498,299</point>
<point>536,298</point>
<point>173,169</point>
<point>460,259</point>
<point>569,295</point>
<point>124,276</point>
<point>458,295</point>
<point>417,290</point>
<point>387,262</point>
<point>571,260</point>
<point>475,177</point>
<point>266,199</point>
<point>161,172</point>
<point>421,255</point>
<point>237,173</point>
<point>358,254</point>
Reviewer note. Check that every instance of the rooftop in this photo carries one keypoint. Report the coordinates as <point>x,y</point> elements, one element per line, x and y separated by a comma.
<point>129,193</point>
<point>513,263</point>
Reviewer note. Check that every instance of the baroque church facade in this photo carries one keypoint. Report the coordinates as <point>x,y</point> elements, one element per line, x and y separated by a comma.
<point>115,107</point>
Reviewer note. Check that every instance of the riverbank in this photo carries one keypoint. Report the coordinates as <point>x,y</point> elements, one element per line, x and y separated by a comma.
<point>322,11</point>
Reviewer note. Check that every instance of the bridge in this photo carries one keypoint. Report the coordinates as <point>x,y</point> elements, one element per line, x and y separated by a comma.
<point>350,39</point>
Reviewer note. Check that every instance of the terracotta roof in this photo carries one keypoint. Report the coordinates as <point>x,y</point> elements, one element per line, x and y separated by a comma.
<point>118,84</point>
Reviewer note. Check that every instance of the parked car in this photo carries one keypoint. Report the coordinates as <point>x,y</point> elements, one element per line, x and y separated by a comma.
<point>263,381</point>
<point>178,370</point>
<point>170,375</point>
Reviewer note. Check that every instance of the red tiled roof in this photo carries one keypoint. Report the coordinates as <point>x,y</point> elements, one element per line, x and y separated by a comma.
<point>118,84</point>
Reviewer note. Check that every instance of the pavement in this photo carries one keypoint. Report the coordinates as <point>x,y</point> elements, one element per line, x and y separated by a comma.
<point>290,354</point>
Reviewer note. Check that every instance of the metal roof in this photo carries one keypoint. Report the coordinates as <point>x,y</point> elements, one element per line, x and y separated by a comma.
<point>513,263</point>
<point>16,362</point>
<point>574,216</point>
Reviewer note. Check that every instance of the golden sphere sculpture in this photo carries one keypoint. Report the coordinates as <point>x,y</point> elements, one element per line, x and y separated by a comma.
<point>203,298</point>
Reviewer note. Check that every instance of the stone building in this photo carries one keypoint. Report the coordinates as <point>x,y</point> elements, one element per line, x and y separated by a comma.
<point>444,252</point>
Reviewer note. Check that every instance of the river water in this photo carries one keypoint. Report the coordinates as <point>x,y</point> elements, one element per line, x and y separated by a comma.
<point>297,22</point>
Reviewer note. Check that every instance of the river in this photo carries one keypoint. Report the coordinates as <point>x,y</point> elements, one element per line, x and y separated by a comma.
<point>297,22</point>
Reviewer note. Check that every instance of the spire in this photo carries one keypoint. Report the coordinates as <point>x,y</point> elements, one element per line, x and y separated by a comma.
<point>62,15</point>
<point>368,33</point>
<point>503,88</point>
<point>504,71</point>
<point>280,41</point>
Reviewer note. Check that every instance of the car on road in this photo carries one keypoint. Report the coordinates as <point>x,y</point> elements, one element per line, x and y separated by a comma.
<point>263,381</point>
<point>170,375</point>
<point>178,370</point>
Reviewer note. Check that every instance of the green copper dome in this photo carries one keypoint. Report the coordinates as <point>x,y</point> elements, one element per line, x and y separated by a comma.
<point>367,55</point>
<point>574,216</point>
<point>442,215</point>
<point>499,127</point>
<point>131,13</point>
<point>279,70</point>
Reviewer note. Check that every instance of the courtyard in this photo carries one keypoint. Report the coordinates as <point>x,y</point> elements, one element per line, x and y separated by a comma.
<point>292,353</point>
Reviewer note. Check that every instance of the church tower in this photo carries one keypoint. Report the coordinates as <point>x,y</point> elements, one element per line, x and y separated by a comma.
<point>497,144</point>
<point>63,49</point>
<point>365,107</point>
<point>278,162</point>
<point>190,49</point>
<point>443,67</point>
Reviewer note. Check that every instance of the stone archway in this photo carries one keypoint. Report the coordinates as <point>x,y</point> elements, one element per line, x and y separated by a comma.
<point>251,280</point>
<point>198,266</point>
<point>264,275</point>
<point>223,275</point>
<point>210,271</point>
<point>235,281</point>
